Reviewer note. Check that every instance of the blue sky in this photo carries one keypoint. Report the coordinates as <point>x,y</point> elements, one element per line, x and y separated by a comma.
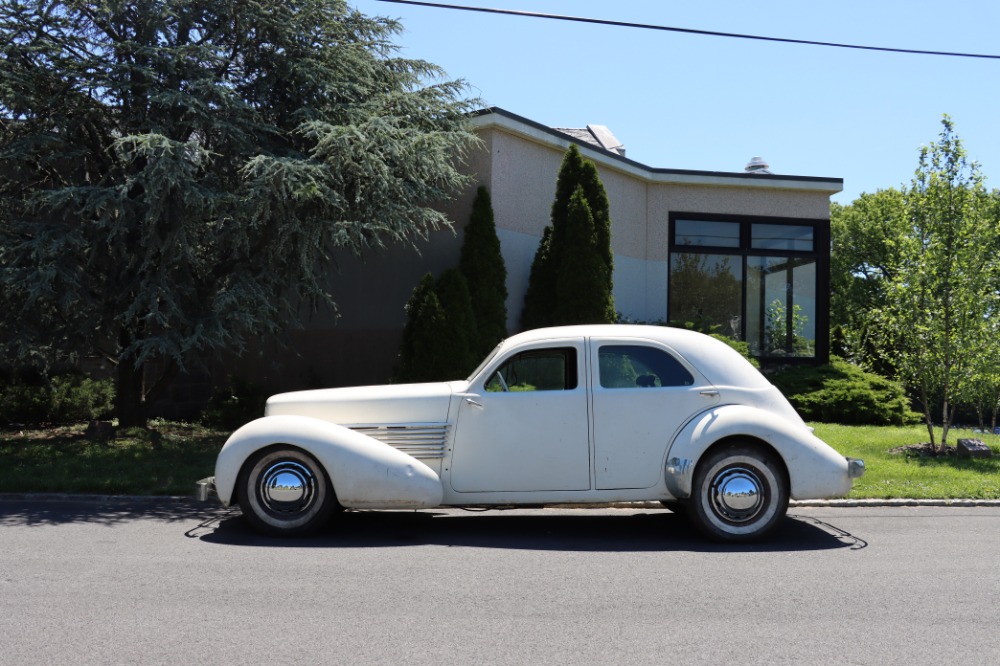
<point>711,103</point>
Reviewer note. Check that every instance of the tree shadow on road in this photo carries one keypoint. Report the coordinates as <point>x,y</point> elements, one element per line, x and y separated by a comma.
<point>581,530</point>
<point>102,511</point>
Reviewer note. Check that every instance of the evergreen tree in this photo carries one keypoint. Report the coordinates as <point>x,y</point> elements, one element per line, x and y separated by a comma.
<point>483,267</point>
<point>175,174</point>
<point>582,295</point>
<point>439,333</point>
<point>458,347</point>
<point>426,326</point>
<point>541,297</point>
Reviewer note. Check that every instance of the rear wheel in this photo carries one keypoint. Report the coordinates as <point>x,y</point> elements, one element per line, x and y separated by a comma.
<point>740,493</point>
<point>284,491</point>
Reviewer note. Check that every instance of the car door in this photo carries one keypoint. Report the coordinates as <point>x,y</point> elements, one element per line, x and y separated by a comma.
<point>643,393</point>
<point>524,425</point>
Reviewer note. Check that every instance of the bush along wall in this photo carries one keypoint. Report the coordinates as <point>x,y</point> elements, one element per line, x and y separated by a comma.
<point>841,392</point>
<point>63,398</point>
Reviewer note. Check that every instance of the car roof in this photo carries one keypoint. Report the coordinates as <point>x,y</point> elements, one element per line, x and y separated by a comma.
<point>720,363</point>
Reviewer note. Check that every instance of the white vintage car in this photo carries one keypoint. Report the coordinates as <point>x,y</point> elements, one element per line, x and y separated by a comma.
<point>579,414</point>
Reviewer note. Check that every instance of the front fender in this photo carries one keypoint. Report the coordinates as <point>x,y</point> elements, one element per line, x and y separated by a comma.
<point>815,470</point>
<point>365,473</point>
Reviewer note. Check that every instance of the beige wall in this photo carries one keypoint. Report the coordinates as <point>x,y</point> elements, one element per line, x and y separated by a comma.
<point>522,180</point>
<point>519,165</point>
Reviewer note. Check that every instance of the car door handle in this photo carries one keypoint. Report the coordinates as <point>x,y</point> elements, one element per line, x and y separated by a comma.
<point>474,403</point>
<point>710,393</point>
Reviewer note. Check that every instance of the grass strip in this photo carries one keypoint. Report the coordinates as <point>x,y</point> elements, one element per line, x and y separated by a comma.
<point>169,457</point>
<point>166,459</point>
<point>901,475</point>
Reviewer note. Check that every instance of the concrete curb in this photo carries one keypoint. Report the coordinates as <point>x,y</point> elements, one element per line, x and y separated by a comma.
<point>832,503</point>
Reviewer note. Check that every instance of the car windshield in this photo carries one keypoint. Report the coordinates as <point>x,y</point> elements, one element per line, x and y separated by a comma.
<point>489,357</point>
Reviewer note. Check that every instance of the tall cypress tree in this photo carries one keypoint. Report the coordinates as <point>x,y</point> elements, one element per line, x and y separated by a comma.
<point>483,267</point>
<point>582,293</point>
<point>457,348</point>
<point>541,299</point>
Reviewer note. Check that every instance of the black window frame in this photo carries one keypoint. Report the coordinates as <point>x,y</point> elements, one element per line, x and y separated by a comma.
<point>820,253</point>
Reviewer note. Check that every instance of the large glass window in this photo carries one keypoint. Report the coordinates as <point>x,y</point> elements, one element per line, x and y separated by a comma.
<point>761,280</point>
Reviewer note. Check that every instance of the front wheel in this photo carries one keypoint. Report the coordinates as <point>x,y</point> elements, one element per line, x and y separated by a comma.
<point>285,492</point>
<point>740,493</point>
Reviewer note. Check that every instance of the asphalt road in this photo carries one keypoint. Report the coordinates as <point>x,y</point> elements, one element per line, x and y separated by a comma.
<point>177,583</point>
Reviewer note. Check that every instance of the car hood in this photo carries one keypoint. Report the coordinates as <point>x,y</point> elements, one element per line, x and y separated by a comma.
<point>370,405</point>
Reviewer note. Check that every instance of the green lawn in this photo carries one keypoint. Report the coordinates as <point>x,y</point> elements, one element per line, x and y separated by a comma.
<point>908,476</point>
<point>165,460</point>
<point>170,457</point>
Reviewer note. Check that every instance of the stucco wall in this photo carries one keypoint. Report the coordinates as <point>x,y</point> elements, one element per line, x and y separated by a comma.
<point>519,164</point>
<point>523,180</point>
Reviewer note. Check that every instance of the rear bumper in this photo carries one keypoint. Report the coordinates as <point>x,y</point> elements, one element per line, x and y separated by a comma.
<point>205,489</point>
<point>855,467</point>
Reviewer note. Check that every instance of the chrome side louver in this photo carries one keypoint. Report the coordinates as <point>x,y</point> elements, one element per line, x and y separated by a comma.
<point>420,440</point>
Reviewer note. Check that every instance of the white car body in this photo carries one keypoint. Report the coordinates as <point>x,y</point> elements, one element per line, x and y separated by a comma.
<point>597,437</point>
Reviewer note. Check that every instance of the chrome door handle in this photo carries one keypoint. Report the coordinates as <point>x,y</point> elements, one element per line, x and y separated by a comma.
<point>474,403</point>
<point>711,393</point>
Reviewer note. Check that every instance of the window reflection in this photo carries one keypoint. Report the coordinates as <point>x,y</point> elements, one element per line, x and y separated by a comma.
<point>706,233</point>
<point>706,292</point>
<point>781,306</point>
<point>782,237</point>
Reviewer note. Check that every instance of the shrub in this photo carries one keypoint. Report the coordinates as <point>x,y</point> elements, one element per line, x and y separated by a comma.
<point>58,399</point>
<point>841,392</point>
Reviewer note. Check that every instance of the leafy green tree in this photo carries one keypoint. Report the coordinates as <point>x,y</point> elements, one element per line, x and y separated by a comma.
<point>174,176</point>
<point>483,267</point>
<point>942,290</point>
<point>582,294</point>
<point>540,299</point>
<point>863,263</point>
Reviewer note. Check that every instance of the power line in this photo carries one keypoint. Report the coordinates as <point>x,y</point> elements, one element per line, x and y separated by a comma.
<point>691,31</point>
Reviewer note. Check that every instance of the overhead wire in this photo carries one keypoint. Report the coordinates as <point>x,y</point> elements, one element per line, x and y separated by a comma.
<point>692,31</point>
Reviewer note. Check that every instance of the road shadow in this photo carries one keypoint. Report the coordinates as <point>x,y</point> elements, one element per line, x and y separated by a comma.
<point>583,531</point>
<point>102,511</point>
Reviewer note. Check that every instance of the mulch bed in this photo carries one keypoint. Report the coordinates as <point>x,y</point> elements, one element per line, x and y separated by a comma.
<point>925,449</point>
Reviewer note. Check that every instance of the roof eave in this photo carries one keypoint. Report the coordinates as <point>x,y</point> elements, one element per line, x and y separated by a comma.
<point>529,129</point>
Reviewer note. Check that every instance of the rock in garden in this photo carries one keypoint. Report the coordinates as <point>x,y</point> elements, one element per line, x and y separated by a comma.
<point>973,448</point>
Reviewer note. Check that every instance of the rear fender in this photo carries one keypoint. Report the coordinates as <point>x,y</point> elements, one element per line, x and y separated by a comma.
<point>365,473</point>
<point>815,470</point>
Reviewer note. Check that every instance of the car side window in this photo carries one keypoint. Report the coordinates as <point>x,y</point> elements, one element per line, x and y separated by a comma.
<point>631,366</point>
<point>536,370</point>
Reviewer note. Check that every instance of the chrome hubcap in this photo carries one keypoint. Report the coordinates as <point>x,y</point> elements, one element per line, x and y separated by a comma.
<point>737,494</point>
<point>287,487</point>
